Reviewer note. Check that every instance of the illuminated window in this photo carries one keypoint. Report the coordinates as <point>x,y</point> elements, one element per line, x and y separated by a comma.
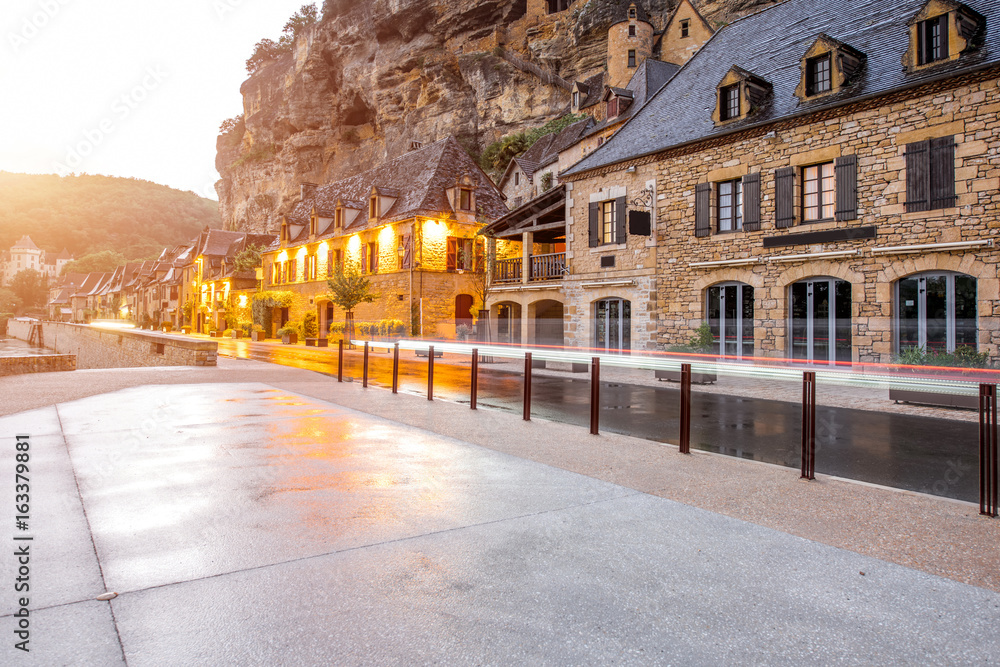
<point>608,220</point>
<point>461,254</point>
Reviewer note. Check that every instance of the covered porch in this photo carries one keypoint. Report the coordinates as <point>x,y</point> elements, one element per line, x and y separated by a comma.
<point>529,243</point>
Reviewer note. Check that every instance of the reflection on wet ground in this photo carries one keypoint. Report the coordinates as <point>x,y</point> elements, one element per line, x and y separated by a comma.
<point>911,452</point>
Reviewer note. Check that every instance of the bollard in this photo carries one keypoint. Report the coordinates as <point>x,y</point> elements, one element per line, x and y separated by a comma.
<point>474,385</point>
<point>685,444</point>
<point>364,371</point>
<point>595,395</point>
<point>988,449</point>
<point>527,387</point>
<point>430,373</point>
<point>340,361</point>
<point>809,425</point>
<point>395,368</point>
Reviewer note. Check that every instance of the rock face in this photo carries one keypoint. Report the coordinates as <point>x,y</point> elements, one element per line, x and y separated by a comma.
<point>372,77</point>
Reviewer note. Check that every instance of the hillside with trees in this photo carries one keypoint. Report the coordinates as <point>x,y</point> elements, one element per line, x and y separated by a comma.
<point>91,214</point>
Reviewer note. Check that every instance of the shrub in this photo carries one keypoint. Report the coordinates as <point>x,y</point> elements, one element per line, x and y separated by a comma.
<point>309,325</point>
<point>227,333</point>
<point>964,356</point>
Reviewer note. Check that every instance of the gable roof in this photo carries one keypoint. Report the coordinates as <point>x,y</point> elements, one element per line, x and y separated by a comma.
<point>648,78</point>
<point>771,43</point>
<point>417,180</point>
<point>25,243</point>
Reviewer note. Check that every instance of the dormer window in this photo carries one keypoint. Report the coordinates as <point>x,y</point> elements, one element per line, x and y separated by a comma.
<point>827,67</point>
<point>818,75</point>
<point>932,39</point>
<point>941,31</point>
<point>729,102</point>
<point>631,12</point>
<point>465,199</point>
<point>373,207</point>
<point>338,218</point>
<point>740,93</point>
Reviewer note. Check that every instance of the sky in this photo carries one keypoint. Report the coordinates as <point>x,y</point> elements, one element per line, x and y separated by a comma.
<point>126,87</point>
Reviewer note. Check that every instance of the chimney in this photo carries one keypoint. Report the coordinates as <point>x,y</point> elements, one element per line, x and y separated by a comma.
<point>307,190</point>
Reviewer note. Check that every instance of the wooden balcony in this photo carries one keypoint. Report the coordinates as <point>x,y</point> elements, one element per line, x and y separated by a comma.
<point>541,267</point>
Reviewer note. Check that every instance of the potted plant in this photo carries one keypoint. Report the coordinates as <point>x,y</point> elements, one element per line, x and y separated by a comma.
<point>167,327</point>
<point>310,329</point>
<point>213,330</point>
<point>462,332</point>
<point>938,362</point>
<point>289,333</point>
<point>701,342</point>
<point>257,333</point>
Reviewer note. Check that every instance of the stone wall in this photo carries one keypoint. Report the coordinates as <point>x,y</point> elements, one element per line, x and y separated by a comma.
<point>38,364</point>
<point>111,348</point>
<point>877,133</point>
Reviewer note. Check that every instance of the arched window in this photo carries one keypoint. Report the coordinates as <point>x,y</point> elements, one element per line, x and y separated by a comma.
<point>613,324</point>
<point>936,312</point>
<point>820,311</point>
<point>730,317</point>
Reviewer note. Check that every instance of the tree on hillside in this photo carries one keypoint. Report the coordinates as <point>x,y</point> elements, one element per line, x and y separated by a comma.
<point>9,302</point>
<point>268,50</point>
<point>30,287</point>
<point>248,259</point>
<point>104,261</point>
<point>347,290</point>
<point>495,157</point>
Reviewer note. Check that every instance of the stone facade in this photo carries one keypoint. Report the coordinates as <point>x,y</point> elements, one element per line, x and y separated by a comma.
<point>115,348</point>
<point>877,133</point>
<point>633,36</point>
<point>684,34</point>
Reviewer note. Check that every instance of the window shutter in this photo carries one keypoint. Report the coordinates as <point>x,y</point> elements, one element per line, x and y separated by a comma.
<point>374,261</point>
<point>595,225</point>
<point>943,31</point>
<point>480,253</point>
<point>846,174</point>
<point>364,259</point>
<point>405,241</point>
<point>702,209</point>
<point>784,197</point>
<point>942,173</point>
<point>751,202</point>
<point>917,176</point>
<point>452,258</point>
<point>621,220</point>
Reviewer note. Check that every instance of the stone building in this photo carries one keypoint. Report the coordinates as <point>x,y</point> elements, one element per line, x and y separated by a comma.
<point>408,224</point>
<point>819,182</point>
<point>25,255</point>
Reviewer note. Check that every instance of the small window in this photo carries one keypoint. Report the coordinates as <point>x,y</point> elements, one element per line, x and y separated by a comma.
<point>730,205</point>
<point>465,199</point>
<point>685,27</point>
<point>631,57</point>
<point>932,39</point>
<point>373,207</point>
<point>818,192</point>
<point>339,219</point>
<point>608,220</point>
<point>729,106</point>
<point>576,99</point>
<point>818,75</point>
<point>631,12</point>
<point>631,30</point>
<point>517,174</point>
<point>600,140</point>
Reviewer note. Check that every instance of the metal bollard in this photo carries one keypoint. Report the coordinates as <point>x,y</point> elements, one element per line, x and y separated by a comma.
<point>988,449</point>
<point>430,373</point>
<point>364,371</point>
<point>685,440</point>
<point>340,361</point>
<point>809,425</point>
<point>595,395</point>
<point>395,368</point>
<point>527,387</point>
<point>474,384</point>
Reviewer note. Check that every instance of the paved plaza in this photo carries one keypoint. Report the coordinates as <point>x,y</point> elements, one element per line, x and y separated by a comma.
<point>256,514</point>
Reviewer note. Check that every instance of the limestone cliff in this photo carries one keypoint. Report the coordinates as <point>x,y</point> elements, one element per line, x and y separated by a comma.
<point>372,77</point>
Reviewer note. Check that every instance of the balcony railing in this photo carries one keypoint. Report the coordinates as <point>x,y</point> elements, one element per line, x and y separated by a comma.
<point>541,267</point>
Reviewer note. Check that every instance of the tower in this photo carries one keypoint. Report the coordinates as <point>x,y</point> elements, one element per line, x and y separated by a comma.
<point>630,42</point>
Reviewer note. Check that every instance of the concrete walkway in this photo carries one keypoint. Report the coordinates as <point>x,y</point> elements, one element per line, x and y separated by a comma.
<point>256,514</point>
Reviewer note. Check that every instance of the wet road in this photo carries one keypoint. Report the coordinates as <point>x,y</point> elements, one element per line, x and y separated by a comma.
<point>922,454</point>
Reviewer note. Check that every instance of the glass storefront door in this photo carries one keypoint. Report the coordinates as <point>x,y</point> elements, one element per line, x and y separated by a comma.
<point>613,324</point>
<point>730,317</point>
<point>821,320</point>
<point>936,312</point>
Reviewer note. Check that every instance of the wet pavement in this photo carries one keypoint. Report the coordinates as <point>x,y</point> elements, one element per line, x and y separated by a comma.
<point>12,347</point>
<point>243,523</point>
<point>917,453</point>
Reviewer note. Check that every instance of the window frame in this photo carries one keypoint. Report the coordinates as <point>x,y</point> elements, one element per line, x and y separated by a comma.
<point>727,96</point>
<point>938,51</point>
<point>631,58</point>
<point>631,30</point>
<point>465,199</point>
<point>821,204</point>
<point>735,218</point>
<point>813,80</point>
<point>608,226</point>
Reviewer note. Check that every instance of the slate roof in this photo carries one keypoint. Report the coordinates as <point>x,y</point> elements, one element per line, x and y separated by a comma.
<point>620,12</point>
<point>64,254</point>
<point>595,89</point>
<point>417,179</point>
<point>649,77</point>
<point>770,44</point>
